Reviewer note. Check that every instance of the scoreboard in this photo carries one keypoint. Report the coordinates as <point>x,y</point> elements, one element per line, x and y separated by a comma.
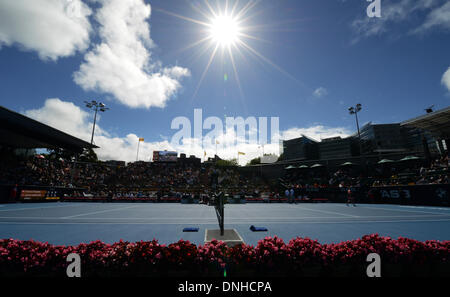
<point>165,156</point>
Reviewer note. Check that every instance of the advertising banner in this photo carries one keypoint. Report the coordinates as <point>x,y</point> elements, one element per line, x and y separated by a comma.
<point>33,194</point>
<point>165,156</point>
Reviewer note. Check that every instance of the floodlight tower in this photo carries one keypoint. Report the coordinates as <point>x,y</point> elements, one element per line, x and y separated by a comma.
<point>354,110</point>
<point>96,106</point>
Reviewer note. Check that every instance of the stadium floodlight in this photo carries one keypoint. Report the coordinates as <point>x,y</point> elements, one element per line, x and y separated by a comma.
<point>88,104</point>
<point>96,106</point>
<point>354,110</point>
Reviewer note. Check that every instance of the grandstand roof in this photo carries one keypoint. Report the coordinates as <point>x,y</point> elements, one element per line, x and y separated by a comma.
<point>437,122</point>
<point>19,131</point>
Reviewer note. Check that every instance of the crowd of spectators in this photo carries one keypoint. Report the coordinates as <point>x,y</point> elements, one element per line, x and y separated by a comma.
<point>147,179</point>
<point>418,174</point>
<point>35,171</point>
<point>397,173</point>
<point>138,179</point>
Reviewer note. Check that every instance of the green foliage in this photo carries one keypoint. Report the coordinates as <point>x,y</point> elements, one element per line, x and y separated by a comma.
<point>254,161</point>
<point>227,163</point>
<point>57,153</point>
<point>88,155</point>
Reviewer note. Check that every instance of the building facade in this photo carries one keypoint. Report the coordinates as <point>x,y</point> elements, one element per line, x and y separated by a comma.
<point>338,148</point>
<point>382,138</point>
<point>376,139</point>
<point>302,148</point>
<point>394,138</point>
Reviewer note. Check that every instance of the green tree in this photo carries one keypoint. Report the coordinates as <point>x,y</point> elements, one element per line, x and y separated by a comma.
<point>254,161</point>
<point>227,163</point>
<point>55,154</point>
<point>88,155</point>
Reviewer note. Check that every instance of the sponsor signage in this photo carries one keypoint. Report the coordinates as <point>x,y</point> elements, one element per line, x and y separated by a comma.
<point>165,156</point>
<point>33,194</point>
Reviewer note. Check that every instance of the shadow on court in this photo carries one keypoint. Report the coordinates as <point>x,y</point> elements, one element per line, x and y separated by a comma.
<point>73,223</point>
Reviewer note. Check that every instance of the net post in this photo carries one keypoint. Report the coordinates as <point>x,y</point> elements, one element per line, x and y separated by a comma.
<point>219,207</point>
<point>221,214</point>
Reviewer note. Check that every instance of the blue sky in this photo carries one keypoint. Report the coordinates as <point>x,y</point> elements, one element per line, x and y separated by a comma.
<point>320,57</point>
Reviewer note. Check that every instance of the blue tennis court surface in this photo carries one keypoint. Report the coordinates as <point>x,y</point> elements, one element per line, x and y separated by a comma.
<point>73,223</point>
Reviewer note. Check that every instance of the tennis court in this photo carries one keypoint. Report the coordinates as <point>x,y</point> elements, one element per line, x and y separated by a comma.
<point>72,223</point>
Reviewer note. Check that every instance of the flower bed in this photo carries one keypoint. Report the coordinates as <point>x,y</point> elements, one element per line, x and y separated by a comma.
<point>271,257</point>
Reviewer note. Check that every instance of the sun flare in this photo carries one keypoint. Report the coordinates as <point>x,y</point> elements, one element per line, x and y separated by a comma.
<point>227,30</point>
<point>224,30</point>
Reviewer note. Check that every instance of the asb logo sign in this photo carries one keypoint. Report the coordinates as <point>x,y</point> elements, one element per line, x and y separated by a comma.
<point>395,194</point>
<point>441,194</point>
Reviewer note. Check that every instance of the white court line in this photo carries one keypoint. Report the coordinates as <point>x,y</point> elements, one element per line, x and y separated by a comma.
<point>324,211</point>
<point>33,208</point>
<point>101,211</point>
<point>426,207</point>
<point>212,223</point>
<point>214,219</point>
<point>401,210</point>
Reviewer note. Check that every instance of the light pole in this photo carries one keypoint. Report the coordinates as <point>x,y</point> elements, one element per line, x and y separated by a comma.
<point>96,106</point>
<point>354,110</point>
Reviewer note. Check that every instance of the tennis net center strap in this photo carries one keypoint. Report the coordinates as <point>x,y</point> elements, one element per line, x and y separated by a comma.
<point>219,207</point>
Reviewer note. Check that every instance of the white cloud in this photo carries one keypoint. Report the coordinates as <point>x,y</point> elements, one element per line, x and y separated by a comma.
<point>446,79</point>
<point>438,17</point>
<point>391,12</point>
<point>316,132</point>
<point>320,92</point>
<point>52,28</point>
<point>64,116</point>
<point>403,11</point>
<point>121,65</point>
<point>71,119</point>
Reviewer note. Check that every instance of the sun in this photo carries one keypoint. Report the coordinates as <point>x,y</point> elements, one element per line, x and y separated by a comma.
<point>224,30</point>
<point>227,32</point>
